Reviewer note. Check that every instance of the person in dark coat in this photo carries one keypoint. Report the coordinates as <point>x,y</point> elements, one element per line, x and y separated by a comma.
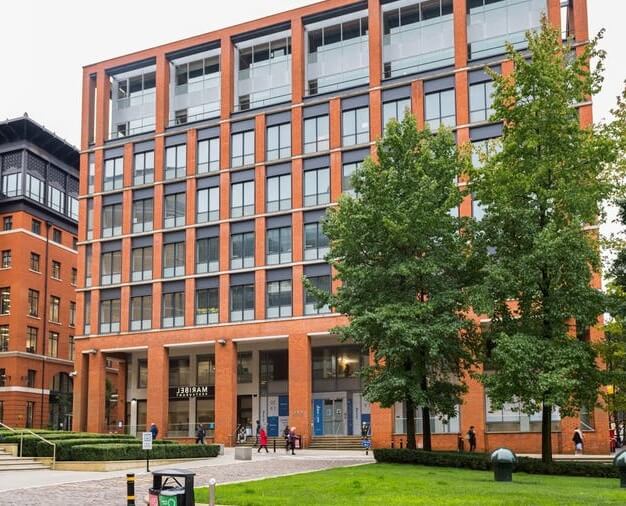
<point>262,440</point>
<point>471,438</point>
<point>258,429</point>
<point>155,430</point>
<point>200,434</point>
<point>286,436</point>
<point>291,441</point>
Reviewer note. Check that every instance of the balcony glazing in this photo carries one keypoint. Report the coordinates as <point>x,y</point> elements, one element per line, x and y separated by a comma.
<point>133,102</point>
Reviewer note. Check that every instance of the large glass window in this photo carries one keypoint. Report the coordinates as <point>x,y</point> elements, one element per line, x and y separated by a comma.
<point>31,339</point>
<point>205,369</point>
<point>197,89</point>
<point>179,372</point>
<point>173,259</point>
<point>244,367</point>
<point>56,199</point>
<point>4,346</point>
<point>242,148</point>
<point>55,309</point>
<point>355,126</point>
<point>142,373</point>
<point>208,205</point>
<point>348,170</point>
<point>209,155</point>
<point>174,210</point>
<point>72,205</point>
<point>113,173</point>
<point>481,101</point>
<point>91,174</point>
<point>316,134</point>
<point>396,109</point>
<point>141,264</point>
<point>111,268</point>
<point>278,195</point>
<point>143,215</point>
<point>33,302</point>
<point>279,299</point>
<point>438,425</point>
<point>274,365</point>
<point>35,188</point>
<point>12,184</point>
<point>133,102</point>
<point>509,418</point>
<point>439,109</point>
<point>109,316</point>
<point>52,350</point>
<point>310,301</point>
<point>141,312</point>
<point>112,220</point>
<point>316,187</point>
<point>241,303</point>
<point>5,300</point>
<point>278,142</point>
<point>242,199</point>
<point>207,255</point>
<point>143,168</point>
<point>207,306</point>
<point>278,245</point>
<point>175,161</point>
<point>242,250</point>
<point>173,309</point>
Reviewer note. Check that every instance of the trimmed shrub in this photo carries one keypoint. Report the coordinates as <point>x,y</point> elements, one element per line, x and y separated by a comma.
<point>30,442</point>
<point>64,446</point>
<point>481,461</point>
<point>117,451</point>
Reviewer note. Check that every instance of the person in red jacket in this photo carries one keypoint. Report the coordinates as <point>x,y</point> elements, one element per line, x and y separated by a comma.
<point>262,440</point>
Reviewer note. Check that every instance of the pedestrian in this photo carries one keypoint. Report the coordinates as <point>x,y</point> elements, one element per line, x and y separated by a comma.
<point>286,437</point>
<point>154,430</point>
<point>578,439</point>
<point>471,438</point>
<point>292,440</point>
<point>258,429</point>
<point>613,436</point>
<point>460,443</point>
<point>620,434</point>
<point>262,435</point>
<point>200,434</point>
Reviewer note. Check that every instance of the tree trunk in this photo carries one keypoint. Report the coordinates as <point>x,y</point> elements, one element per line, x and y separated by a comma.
<point>410,424</point>
<point>426,428</point>
<point>546,434</point>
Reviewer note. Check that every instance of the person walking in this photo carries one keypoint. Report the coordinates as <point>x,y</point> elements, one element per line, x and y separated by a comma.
<point>262,435</point>
<point>292,441</point>
<point>471,438</point>
<point>286,437</point>
<point>200,434</point>
<point>578,439</point>
<point>256,433</point>
<point>154,430</point>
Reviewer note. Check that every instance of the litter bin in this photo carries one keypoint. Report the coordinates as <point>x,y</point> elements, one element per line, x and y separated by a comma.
<point>620,462</point>
<point>172,487</point>
<point>503,460</point>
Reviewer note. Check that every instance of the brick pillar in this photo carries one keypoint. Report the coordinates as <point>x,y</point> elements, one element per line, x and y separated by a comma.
<point>417,102</point>
<point>460,33</point>
<point>97,378</point>
<point>381,422</point>
<point>158,385</point>
<point>300,385</point>
<point>81,392</point>
<point>554,13</point>
<point>462,97</point>
<point>225,392</point>
<point>375,42</point>
<point>473,413</point>
<point>298,59</point>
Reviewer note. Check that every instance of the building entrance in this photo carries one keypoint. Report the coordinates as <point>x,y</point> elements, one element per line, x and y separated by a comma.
<point>329,416</point>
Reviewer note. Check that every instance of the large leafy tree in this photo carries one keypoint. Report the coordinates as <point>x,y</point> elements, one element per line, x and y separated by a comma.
<point>541,191</point>
<point>404,268</point>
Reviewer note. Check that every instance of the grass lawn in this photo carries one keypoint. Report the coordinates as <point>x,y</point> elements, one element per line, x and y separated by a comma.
<point>402,484</point>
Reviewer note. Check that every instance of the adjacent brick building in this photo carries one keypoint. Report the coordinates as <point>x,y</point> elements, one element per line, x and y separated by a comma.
<point>206,167</point>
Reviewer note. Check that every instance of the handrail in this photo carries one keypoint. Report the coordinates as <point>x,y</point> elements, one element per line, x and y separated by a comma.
<point>7,427</point>
<point>21,433</point>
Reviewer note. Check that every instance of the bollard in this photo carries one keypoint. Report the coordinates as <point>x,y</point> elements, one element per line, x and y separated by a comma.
<point>401,444</point>
<point>130,489</point>
<point>620,462</point>
<point>503,460</point>
<point>392,445</point>
<point>212,492</point>
<point>274,445</point>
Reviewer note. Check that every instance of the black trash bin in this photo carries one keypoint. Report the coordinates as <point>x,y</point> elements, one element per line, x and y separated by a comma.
<point>503,460</point>
<point>620,462</point>
<point>172,487</point>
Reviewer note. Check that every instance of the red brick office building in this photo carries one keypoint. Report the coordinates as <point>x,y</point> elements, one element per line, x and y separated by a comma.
<point>206,167</point>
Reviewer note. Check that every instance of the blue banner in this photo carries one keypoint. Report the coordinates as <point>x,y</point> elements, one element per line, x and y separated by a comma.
<point>272,426</point>
<point>318,417</point>
<point>283,405</point>
<point>350,417</point>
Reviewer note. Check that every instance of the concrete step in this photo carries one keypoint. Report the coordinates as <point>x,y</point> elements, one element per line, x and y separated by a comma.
<point>20,466</point>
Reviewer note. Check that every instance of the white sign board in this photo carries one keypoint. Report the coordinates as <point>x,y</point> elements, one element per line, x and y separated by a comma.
<point>146,440</point>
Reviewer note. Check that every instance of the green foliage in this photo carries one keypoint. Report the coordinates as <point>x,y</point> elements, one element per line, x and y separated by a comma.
<point>404,268</point>
<point>482,461</point>
<point>30,442</point>
<point>117,451</point>
<point>541,191</point>
<point>64,446</point>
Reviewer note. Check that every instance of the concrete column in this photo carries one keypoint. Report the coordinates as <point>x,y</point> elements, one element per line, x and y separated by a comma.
<point>225,392</point>
<point>97,378</point>
<point>158,386</point>
<point>300,385</point>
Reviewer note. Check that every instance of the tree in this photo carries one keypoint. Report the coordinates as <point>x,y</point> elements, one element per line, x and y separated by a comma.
<point>404,267</point>
<point>541,191</point>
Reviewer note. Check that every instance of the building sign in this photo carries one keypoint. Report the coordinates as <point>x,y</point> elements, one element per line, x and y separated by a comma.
<point>187,391</point>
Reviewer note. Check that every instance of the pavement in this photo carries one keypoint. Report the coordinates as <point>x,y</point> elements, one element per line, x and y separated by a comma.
<point>63,488</point>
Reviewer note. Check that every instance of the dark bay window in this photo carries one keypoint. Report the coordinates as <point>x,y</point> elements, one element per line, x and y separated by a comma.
<point>175,161</point>
<point>242,148</point>
<point>316,134</point>
<point>111,268</point>
<point>143,168</point>
<point>242,199</point>
<point>113,173</point>
<point>35,188</point>
<point>207,255</point>
<point>317,187</point>
<point>208,204</point>
<point>143,215</point>
<point>242,250</point>
<point>244,367</point>
<point>174,210</point>
<point>173,259</point>
<point>274,365</point>
<point>279,299</point>
<point>278,245</point>
<point>207,306</point>
<point>278,196</point>
<point>173,309</point>
<point>141,263</point>
<point>278,142</point>
<point>141,312</point>
<point>208,155</point>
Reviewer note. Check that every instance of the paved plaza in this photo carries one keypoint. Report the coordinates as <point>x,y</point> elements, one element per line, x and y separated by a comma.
<point>62,488</point>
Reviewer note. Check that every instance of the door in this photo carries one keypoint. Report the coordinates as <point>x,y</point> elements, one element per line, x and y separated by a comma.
<point>244,412</point>
<point>334,417</point>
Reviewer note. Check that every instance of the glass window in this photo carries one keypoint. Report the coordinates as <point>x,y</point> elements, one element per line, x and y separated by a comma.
<point>209,155</point>
<point>316,187</point>
<point>173,309</point>
<point>57,235</point>
<point>179,371</point>
<point>348,170</point>
<point>241,303</point>
<point>355,126</point>
<point>141,264</point>
<point>89,219</point>
<point>242,250</point>
<point>278,141</point>
<point>396,109</point>
<point>55,309</point>
<point>56,270</point>
<point>31,339</point>
<point>310,301</point>
<point>109,316</point>
<point>207,255</point>
<point>143,215</point>
<point>279,299</point>
<point>5,300</point>
<point>205,369</point>
<point>91,174</point>
<point>52,350</point>
<point>6,259</point>
<point>173,259</point>
<point>478,209</point>
<point>113,173</point>
<point>88,258</point>
<point>207,306</point>
<point>481,101</point>
<point>72,315</point>
<point>316,134</point>
<point>142,373</point>
<point>174,210</point>
<point>244,367</point>
<point>242,199</point>
<point>242,148</point>
<point>278,194</point>
<point>141,312</point>
<point>34,262</point>
<point>274,365</point>
<point>12,184</point>
<point>87,313</point>
<point>143,168</point>
<point>72,207</point>
<point>74,277</point>
<point>112,220</point>
<point>35,188</point>
<point>33,302</point>
<point>208,205</point>
<point>35,226</point>
<point>175,161</point>
<point>56,199</point>
<point>4,346</point>
<point>439,109</point>
<point>111,268</point>
<point>7,223</point>
<point>278,245</point>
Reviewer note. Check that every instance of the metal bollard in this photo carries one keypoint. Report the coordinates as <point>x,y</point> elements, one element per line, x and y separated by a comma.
<point>212,492</point>
<point>130,489</point>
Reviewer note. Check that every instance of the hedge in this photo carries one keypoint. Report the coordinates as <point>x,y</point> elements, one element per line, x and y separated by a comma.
<point>481,461</point>
<point>30,442</point>
<point>64,446</point>
<point>134,452</point>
